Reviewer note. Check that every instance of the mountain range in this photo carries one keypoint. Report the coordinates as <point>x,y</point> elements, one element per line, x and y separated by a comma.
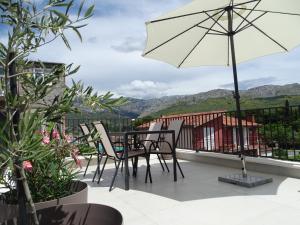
<point>219,99</point>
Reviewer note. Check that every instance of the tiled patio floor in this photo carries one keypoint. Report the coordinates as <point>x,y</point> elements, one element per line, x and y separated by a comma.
<point>198,198</point>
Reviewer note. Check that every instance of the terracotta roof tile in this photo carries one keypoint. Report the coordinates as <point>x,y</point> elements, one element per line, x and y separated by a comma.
<point>199,119</point>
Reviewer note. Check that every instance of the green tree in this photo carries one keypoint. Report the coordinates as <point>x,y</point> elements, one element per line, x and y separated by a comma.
<point>30,26</point>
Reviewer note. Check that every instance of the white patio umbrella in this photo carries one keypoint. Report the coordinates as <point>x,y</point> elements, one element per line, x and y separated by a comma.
<point>224,32</point>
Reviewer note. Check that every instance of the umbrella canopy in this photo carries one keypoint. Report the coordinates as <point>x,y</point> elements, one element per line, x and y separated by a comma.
<point>197,34</point>
<point>224,32</point>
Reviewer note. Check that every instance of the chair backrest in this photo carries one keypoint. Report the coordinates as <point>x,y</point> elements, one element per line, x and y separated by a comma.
<point>154,126</point>
<point>104,138</point>
<point>175,125</point>
<point>86,132</point>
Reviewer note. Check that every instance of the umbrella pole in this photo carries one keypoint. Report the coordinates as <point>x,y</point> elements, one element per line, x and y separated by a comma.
<point>236,91</point>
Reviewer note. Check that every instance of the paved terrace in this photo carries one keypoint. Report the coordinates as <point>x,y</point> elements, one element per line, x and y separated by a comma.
<point>198,198</point>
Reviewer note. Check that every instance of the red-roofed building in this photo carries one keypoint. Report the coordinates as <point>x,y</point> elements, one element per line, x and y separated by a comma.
<point>213,131</point>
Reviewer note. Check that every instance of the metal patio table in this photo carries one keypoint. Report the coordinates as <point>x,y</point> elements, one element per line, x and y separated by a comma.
<point>135,134</point>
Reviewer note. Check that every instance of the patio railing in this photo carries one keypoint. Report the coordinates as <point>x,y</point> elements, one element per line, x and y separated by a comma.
<point>268,132</point>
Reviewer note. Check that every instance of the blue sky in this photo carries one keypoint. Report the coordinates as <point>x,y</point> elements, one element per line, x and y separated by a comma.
<point>110,56</point>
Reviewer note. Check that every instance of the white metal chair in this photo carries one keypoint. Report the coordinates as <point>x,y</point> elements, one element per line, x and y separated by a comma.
<point>165,146</point>
<point>150,142</point>
<point>114,154</point>
<point>91,143</point>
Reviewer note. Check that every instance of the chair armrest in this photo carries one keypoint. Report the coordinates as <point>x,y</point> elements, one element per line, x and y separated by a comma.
<point>168,143</point>
<point>137,146</point>
<point>147,140</point>
<point>153,144</point>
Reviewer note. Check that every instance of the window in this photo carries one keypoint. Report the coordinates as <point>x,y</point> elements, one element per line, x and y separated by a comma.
<point>40,73</point>
<point>209,138</point>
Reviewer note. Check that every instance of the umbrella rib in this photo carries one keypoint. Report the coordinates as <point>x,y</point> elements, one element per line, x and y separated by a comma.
<point>249,25</point>
<point>200,40</point>
<point>268,36</point>
<point>180,16</point>
<point>244,3</point>
<point>195,13</point>
<point>216,22</point>
<point>247,15</point>
<point>217,34</point>
<point>177,35</point>
<point>275,12</point>
<point>217,31</point>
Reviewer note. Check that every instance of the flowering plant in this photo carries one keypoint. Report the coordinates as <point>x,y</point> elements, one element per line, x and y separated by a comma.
<point>39,170</point>
<point>51,176</point>
<point>63,140</point>
<point>27,166</point>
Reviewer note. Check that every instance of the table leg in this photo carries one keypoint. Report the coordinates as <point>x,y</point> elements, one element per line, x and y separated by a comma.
<point>135,165</point>
<point>174,157</point>
<point>126,162</point>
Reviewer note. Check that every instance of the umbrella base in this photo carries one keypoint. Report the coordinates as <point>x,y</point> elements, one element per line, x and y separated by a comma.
<point>249,181</point>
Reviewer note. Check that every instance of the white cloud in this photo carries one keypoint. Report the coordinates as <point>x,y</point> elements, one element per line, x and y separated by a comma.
<point>187,84</point>
<point>110,56</point>
<point>143,89</point>
<point>130,44</point>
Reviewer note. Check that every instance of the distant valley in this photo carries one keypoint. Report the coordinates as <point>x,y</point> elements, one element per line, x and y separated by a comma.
<point>219,99</point>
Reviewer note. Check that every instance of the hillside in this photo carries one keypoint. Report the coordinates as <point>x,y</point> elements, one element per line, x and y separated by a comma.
<point>226,103</point>
<point>219,99</point>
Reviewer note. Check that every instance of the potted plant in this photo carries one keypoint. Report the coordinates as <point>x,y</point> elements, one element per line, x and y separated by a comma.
<point>51,178</point>
<point>33,168</point>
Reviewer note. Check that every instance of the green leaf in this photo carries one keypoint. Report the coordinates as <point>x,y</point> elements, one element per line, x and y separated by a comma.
<point>80,26</point>
<point>60,4</point>
<point>80,8</point>
<point>89,11</point>
<point>65,41</point>
<point>62,16</point>
<point>78,33</point>
<point>68,7</point>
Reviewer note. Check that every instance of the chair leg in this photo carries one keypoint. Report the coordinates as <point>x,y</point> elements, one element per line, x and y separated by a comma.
<point>166,165</point>
<point>87,166</point>
<point>116,172</point>
<point>121,167</point>
<point>100,175</point>
<point>135,166</point>
<point>179,168</point>
<point>99,159</point>
<point>148,171</point>
<point>162,166</point>
<point>95,173</point>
